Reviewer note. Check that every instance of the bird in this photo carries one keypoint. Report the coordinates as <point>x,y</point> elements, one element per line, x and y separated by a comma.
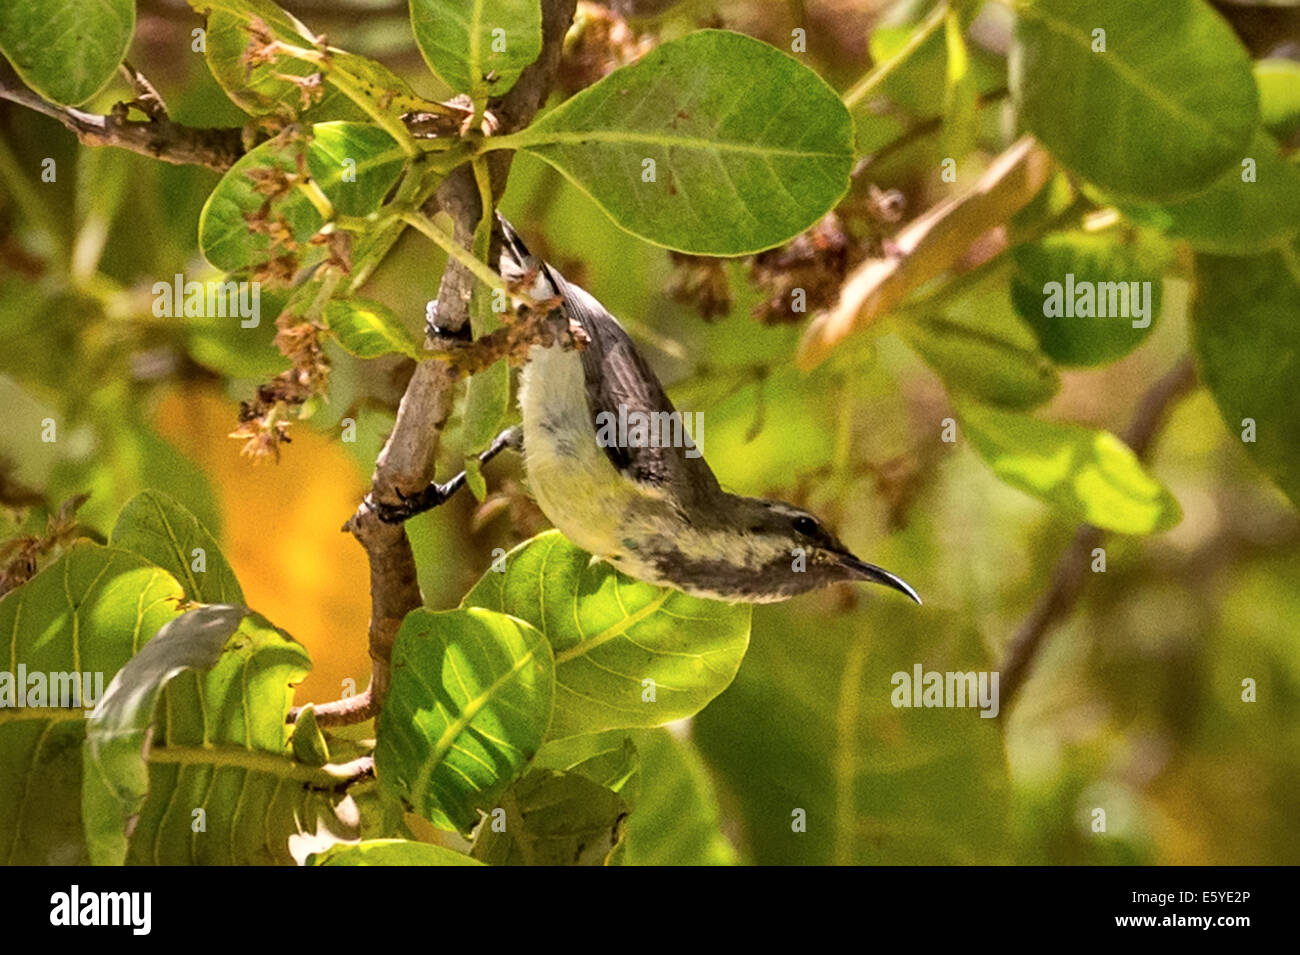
<point>652,508</point>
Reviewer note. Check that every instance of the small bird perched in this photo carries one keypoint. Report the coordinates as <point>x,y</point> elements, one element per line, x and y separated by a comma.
<point>651,507</point>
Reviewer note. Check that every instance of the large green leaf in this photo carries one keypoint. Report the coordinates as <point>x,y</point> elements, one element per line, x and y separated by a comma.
<point>1237,214</point>
<point>163,532</point>
<point>67,49</point>
<point>86,613</point>
<point>676,819</point>
<point>390,852</point>
<point>188,759</point>
<point>553,818</point>
<point>808,737</point>
<point>1090,475</point>
<point>749,146</point>
<point>1066,271</point>
<point>617,642</point>
<point>468,708</point>
<point>1166,108</point>
<point>335,154</point>
<point>478,47</point>
<point>1244,331</point>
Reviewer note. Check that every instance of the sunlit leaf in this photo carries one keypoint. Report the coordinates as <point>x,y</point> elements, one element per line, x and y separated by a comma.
<point>723,160</point>
<point>354,165</point>
<point>626,653</point>
<point>87,613</point>
<point>609,759</point>
<point>187,761</point>
<point>469,706</point>
<point>165,533</point>
<point>369,329</point>
<point>1090,475</point>
<point>1279,95</point>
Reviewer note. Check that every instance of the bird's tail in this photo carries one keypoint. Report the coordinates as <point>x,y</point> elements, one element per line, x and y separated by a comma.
<point>518,265</point>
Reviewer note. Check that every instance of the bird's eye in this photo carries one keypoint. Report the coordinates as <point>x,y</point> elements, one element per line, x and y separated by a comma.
<point>806,526</point>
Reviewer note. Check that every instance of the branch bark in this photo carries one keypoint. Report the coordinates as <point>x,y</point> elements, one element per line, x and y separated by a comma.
<point>407,460</point>
<point>1070,575</point>
<point>157,137</point>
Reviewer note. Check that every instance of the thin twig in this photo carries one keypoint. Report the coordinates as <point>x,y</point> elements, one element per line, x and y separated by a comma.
<point>1070,575</point>
<point>157,137</point>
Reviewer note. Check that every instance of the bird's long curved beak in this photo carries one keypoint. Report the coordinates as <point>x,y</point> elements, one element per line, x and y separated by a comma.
<point>878,575</point>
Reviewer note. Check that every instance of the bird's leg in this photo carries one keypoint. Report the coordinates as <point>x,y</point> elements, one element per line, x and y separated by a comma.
<point>430,497</point>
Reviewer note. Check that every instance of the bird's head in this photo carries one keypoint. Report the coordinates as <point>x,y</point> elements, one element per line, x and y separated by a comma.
<point>761,550</point>
<point>790,533</point>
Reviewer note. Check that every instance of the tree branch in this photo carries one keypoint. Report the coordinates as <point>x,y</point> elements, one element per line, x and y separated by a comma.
<point>406,462</point>
<point>1069,576</point>
<point>157,137</point>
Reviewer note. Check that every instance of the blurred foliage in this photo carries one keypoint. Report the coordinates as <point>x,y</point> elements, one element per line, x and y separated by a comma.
<point>1135,704</point>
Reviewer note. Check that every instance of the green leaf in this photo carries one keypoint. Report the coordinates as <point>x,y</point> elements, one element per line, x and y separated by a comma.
<point>612,634</point>
<point>474,479</point>
<point>677,820</point>
<point>469,705</point>
<point>164,533</point>
<point>810,725</point>
<point>553,818</point>
<point>1279,95</point>
<point>609,759</point>
<point>1234,216</point>
<point>87,613</point>
<point>749,146</point>
<point>1071,273</point>
<point>260,88</point>
<point>224,234</point>
<point>1244,335</point>
<point>66,50</point>
<point>1163,111</point>
<point>307,742</point>
<point>1090,475</point>
<point>478,47</point>
<point>369,329</point>
<point>980,347</point>
<point>390,852</point>
<point>196,721</point>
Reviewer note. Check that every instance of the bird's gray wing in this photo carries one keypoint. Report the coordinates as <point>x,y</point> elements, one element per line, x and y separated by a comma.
<point>617,376</point>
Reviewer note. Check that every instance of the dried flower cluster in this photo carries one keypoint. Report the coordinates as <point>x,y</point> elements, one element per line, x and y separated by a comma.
<point>20,556</point>
<point>815,261</point>
<point>599,42</point>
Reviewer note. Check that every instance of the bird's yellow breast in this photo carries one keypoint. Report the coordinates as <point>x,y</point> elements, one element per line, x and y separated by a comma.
<point>574,483</point>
